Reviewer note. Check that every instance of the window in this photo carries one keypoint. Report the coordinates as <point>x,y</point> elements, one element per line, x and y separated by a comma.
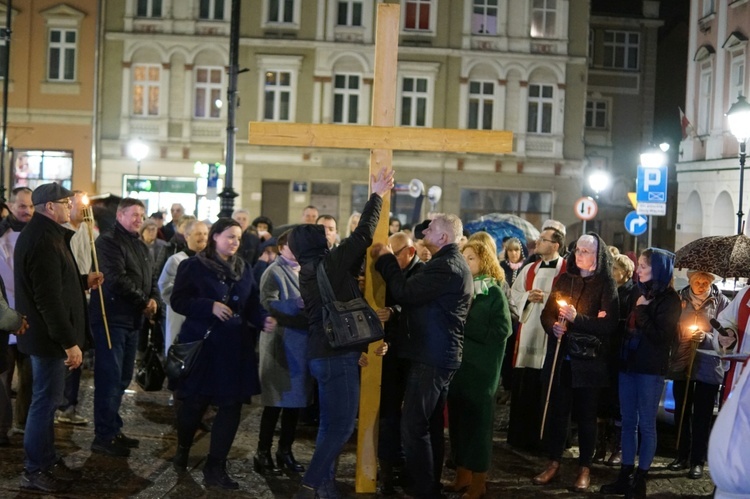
<point>543,18</point>
<point>596,114</point>
<point>414,97</point>
<point>346,98</point>
<point>481,104</point>
<point>146,81</point>
<point>621,49</point>
<point>62,55</point>
<point>211,10</point>
<point>33,168</point>
<point>278,94</point>
<point>349,13</point>
<point>708,7</point>
<point>417,15</point>
<point>208,86</point>
<point>540,109</point>
<point>149,8</point>
<point>532,206</point>
<point>737,82</point>
<point>484,17</point>
<point>704,101</point>
<point>281,11</point>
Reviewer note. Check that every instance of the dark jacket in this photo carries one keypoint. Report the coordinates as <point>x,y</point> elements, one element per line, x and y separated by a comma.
<point>227,369</point>
<point>342,264</point>
<point>129,278</point>
<point>436,301</point>
<point>590,296</point>
<point>397,328</point>
<point>10,322</point>
<point>651,329</point>
<point>50,291</point>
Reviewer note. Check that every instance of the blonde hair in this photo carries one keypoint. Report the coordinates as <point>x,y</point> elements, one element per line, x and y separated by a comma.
<point>624,263</point>
<point>485,238</point>
<point>488,263</point>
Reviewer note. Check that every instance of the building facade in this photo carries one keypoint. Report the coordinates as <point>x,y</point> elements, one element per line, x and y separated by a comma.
<point>481,64</point>
<point>708,171</point>
<point>51,90</point>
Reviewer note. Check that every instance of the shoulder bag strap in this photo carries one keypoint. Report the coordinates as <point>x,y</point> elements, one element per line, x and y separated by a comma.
<point>224,301</point>
<point>324,285</point>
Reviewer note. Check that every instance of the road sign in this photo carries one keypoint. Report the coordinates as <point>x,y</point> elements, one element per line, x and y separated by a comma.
<point>658,209</point>
<point>585,208</point>
<point>635,223</point>
<point>651,190</point>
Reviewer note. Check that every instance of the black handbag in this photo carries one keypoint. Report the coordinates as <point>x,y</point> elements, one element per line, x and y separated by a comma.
<point>584,346</point>
<point>347,324</point>
<point>150,375</point>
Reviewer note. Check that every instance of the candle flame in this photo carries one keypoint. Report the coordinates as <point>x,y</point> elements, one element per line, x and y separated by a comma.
<point>562,303</point>
<point>693,327</point>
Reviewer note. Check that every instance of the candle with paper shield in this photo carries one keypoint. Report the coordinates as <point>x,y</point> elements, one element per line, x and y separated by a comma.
<point>693,349</point>
<point>88,219</point>
<point>561,319</point>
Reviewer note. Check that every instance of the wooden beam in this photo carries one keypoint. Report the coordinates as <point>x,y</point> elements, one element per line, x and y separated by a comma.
<point>380,137</point>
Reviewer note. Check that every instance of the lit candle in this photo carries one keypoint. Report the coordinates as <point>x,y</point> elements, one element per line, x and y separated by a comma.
<point>562,303</point>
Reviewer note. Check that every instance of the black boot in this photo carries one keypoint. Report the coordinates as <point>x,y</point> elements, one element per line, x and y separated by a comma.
<point>602,435</point>
<point>623,483</point>
<point>386,478</point>
<point>638,489</point>
<point>180,459</point>
<point>263,463</point>
<point>285,459</point>
<point>215,474</point>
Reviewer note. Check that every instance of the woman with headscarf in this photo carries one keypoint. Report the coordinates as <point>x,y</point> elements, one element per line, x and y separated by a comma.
<point>471,394</point>
<point>644,358</point>
<point>579,317</point>
<point>701,301</point>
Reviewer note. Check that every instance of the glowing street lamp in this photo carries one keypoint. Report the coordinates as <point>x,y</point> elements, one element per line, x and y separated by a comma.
<point>738,117</point>
<point>138,150</point>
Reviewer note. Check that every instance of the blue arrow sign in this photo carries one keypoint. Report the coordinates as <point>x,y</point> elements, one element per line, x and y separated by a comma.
<point>636,224</point>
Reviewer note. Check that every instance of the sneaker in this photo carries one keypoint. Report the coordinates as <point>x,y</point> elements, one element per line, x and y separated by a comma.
<point>111,448</point>
<point>60,470</point>
<point>130,443</point>
<point>69,416</point>
<point>43,480</point>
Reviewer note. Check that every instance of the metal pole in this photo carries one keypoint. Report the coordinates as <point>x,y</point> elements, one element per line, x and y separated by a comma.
<point>742,182</point>
<point>650,225</point>
<point>583,229</point>
<point>228,194</point>
<point>6,81</point>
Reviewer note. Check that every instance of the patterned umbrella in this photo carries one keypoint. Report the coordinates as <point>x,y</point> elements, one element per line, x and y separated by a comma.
<point>725,256</point>
<point>505,225</point>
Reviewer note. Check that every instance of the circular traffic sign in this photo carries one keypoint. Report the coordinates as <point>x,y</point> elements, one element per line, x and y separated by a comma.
<point>636,224</point>
<point>585,208</point>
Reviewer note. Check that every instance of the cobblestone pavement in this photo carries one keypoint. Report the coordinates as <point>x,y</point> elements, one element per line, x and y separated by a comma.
<point>148,473</point>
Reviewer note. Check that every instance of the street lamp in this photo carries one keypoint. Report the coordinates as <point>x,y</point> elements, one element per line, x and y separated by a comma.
<point>739,124</point>
<point>599,181</point>
<point>138,150</point>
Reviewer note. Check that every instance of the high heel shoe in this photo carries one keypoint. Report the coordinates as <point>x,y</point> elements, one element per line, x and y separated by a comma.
<point>263,464</point>
<point>285,459</point>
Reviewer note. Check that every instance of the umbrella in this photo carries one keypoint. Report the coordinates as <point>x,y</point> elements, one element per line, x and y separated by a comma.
<point>725,256</point>
<point>501,225</point>
<point>277,231</point>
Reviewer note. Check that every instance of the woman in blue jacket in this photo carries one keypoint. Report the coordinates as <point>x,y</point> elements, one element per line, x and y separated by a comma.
<point>216,290</point>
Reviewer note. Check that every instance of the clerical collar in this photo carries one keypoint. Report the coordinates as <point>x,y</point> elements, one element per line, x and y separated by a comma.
<point>552,264</point>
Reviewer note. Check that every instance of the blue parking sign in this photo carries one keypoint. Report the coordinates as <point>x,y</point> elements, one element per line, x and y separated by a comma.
<point>651,184</point>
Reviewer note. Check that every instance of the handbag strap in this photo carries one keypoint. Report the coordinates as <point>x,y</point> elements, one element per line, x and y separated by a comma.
<point>324,285</point>
<point>216,320</point>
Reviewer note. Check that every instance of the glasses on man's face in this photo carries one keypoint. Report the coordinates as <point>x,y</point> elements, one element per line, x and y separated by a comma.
<point>583,252</point>
<point>64,202</point>
<point>396,253</point>
<point>544,240</point>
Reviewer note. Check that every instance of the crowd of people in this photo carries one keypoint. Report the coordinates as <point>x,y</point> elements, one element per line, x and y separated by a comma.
<point>575,333</point>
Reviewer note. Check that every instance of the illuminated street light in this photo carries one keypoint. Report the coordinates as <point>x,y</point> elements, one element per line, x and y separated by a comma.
<point>599,180</point>
<point>138,150</point>
<point>738,117</point>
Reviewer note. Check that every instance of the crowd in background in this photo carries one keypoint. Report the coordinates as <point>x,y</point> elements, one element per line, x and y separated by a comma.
<point>574,333</point>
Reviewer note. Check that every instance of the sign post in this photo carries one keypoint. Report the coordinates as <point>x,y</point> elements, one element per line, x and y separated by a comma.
<point>651,193</point>
<point>585,209</point>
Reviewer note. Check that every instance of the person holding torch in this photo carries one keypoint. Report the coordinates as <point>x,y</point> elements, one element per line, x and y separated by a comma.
<point>579,317</point>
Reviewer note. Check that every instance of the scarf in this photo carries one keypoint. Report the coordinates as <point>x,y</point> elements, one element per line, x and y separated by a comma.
<point>231,268</point>
<point>482,284</point>
<point>515,266</point>
<point>698,300</point>
<point>293,265</point>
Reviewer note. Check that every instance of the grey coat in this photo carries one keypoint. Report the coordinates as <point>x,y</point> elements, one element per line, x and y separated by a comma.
<point>284,378</point>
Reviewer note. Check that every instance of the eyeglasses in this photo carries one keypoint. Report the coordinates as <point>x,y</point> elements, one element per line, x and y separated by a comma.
<point>545,240</point>
<point>65,202</point>
<point>580,251</point>
<point>396,253</point>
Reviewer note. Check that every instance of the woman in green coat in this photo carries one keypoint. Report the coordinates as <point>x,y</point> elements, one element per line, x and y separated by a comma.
<point>471,396</point>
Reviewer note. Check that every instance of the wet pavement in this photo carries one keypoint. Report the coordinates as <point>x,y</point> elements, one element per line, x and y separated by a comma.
<point>148,472</point>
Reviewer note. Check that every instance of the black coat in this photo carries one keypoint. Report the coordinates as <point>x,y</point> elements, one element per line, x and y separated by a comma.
<point>129,278</point>
<point>10,322</point>
<point>397,328</point>
<point>50,290</point>
<point>589,295</point>
<point>342,264</point>
<point>436,300</point>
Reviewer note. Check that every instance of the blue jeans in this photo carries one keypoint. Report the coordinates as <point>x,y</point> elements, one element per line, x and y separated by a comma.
<point>113,371</point>
<point>422,424</point>
<point>47,392</point>
<point>338,391</point>
<point>639,403</point>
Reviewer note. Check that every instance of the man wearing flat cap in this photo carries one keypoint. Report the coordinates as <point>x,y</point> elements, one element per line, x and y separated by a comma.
<point>50,292</point>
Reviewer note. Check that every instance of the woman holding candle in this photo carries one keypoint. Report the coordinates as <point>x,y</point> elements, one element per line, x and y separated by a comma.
<point>579,318</point>
<point>701,301</point>
<point>644,358</point>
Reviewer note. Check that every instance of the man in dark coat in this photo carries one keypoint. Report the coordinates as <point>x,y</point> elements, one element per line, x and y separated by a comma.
<point>50,292</point>
<point>438,300</point>
<point>130,294</point>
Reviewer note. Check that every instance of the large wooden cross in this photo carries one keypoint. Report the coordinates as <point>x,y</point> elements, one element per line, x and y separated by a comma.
<point>382,138</point>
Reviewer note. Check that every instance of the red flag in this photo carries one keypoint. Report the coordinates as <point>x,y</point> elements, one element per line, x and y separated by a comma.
<point>687,127</point>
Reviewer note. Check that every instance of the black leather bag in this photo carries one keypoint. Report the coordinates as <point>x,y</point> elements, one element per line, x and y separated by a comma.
<point>150,375</point>
<point>181,358</point>
<point>584,346</point>
<point>347,324</point>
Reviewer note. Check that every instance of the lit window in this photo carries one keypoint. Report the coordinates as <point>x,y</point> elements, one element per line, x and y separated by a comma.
<point>346,90</point>
<point>540,109</point>
<point>146,83</point>
<point>481,104</point>
<point>208,87</point>
<point>278,94</point>
<point>62,55</point>
<point>534,206</point>
<point>737,82</point>
<point>543,18</point>
<point>32,168</point>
